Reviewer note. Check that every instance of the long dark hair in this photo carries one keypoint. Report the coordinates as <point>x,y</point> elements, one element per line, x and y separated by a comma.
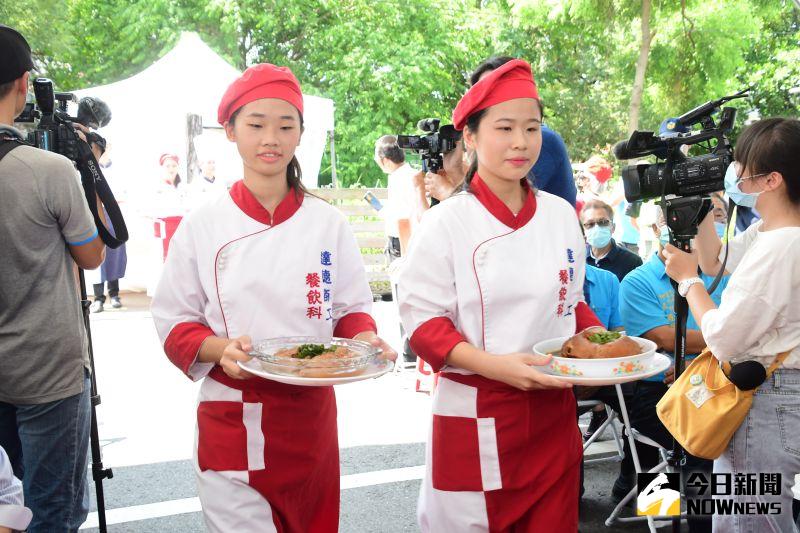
<point>294,175</point>
<point>772,145</point>
<point>472,123</point>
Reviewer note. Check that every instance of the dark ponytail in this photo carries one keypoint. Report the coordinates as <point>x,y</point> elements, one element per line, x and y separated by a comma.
<point>473,122</point>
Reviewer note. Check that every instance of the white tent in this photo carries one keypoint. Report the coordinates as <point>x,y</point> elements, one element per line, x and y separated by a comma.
<point>149,118</point>
<point>149,113</point>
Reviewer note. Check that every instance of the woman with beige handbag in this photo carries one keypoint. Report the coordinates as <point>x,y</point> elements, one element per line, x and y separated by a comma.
<point>759,315</point>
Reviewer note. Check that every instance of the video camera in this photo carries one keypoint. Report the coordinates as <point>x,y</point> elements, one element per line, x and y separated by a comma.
<point>679,175</point>
<point>434,145</point>
<point>55,131</point>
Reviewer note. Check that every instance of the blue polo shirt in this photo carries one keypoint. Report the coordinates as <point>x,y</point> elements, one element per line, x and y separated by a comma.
<point>601,292</point>
<point>553,172</point>
<point>647,300</point>
<point>629,235</point>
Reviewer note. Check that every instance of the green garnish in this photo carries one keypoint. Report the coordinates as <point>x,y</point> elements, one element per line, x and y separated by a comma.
<point>307,351</point>
<point>604,337</point>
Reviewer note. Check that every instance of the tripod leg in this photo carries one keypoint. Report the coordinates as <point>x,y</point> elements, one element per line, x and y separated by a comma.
<point>98,472</point>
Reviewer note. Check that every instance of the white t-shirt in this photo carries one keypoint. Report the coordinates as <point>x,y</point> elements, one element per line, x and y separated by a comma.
<point>759,315</point>
<point>400,204</point>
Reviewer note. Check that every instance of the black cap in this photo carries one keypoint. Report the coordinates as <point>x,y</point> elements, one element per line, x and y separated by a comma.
<point>16,54</point>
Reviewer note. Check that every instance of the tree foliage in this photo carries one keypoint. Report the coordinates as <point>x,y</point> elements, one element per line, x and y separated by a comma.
<point>388,64</point>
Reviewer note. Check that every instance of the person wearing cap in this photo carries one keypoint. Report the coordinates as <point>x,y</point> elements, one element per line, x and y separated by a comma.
<point>170,167</point>
<point>265,260</point>
<point>490,273</point>
<point>551,173</point>
<point>46,228</point>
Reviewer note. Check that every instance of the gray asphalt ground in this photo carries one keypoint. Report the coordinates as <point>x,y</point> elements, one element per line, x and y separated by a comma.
<point>146,428</point>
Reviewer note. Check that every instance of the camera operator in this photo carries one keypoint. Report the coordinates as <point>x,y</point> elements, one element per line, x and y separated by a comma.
<point>759,315</point>
<point>392,161</point>
<point>45,229</point>
<point>552,172</point>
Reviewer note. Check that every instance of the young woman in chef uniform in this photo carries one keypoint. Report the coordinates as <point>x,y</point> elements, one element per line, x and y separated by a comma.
<point>492,271</point>
<point>266,260</point>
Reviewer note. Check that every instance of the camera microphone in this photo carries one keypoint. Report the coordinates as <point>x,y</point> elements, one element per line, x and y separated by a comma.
<point>621,151</point>
<point>747,375</point>
<point>429,125</point>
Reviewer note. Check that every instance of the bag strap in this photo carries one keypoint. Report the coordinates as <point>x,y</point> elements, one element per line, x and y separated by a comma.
<point>712,370</point>
<point>777,362</point>
<point>6,145</point>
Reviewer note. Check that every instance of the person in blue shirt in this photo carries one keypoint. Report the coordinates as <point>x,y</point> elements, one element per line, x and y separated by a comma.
<point>553,171</point>
<point>647,307</point>
<point>601,292</point>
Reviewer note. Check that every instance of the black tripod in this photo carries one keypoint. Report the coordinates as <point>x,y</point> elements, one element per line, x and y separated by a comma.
<point>683,217</point>
<point>98,472</point>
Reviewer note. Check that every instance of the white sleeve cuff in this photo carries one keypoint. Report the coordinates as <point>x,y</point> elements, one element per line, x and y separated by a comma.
<point>15,516</point>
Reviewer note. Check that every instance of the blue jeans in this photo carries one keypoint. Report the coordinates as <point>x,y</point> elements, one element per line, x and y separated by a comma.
<point>48,445</point>
<point>767,441</point>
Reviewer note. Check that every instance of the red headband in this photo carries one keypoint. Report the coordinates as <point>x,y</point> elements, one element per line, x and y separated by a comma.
<point>260,81</point>
<point>164,157</point>
<point>508,82</point>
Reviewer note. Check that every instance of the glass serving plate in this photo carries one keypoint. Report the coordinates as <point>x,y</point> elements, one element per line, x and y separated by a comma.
<point>359,355</point>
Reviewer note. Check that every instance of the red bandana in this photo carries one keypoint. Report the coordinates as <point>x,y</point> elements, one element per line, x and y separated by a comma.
<point>512,80</point>
<point>260,81</point>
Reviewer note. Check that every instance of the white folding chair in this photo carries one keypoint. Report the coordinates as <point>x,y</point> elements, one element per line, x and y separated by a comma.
<point>612,423</point>
<point>634,437</point>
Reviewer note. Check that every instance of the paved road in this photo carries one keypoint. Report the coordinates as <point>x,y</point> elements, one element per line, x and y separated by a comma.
<point>147,427</point>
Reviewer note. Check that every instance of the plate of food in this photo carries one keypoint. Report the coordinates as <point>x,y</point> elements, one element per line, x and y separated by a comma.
<point>600,357</point>
<point>315,361</point>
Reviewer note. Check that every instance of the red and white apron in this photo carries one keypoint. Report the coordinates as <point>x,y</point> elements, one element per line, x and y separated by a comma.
<point>499,459</point>
<point>266,453</point>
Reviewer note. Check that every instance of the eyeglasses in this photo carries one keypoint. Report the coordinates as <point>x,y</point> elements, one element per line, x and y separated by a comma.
<point>603,223</point>
<point>740,180</point>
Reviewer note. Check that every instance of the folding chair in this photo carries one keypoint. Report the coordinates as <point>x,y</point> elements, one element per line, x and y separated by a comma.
<point>634,437</point>
<point>611,422</point>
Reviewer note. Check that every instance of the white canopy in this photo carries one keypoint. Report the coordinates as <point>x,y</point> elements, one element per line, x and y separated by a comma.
<point>149,118</point>
<point>149,113</point>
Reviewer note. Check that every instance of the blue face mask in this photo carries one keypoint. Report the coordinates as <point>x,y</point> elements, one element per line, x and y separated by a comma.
<point>663,237</point>
<point>720,227</point>
<point>734,193</point>
<point>598,236</point>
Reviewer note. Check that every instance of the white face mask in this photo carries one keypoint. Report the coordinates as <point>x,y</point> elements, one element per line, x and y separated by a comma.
<point>733,184</point>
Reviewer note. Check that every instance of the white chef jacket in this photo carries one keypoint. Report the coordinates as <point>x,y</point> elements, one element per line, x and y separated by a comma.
<point>502,282</point>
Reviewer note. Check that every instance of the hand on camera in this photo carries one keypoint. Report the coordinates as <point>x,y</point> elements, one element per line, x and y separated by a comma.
<point>439,185</point>
<point>679,265</point>
<point>236,350</point>
<point>518,370</point>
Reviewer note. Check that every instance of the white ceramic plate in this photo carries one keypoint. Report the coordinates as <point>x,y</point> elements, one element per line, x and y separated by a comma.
<point>597,368</point>
<point>660,363</point>
<point>374,370</point>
